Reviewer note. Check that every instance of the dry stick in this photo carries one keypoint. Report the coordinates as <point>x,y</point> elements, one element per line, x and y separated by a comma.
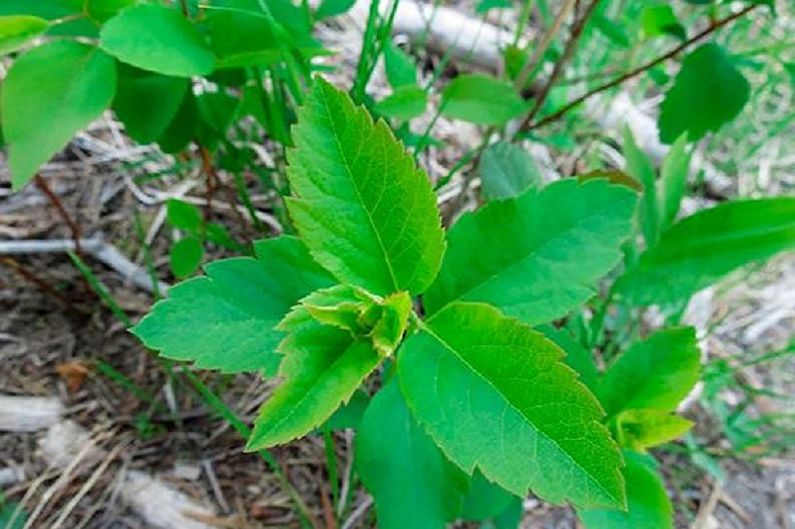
<point>55,201</point>
<point>40,283</point>
<point>539,50</point>
<point>637,71</point>
<point>576,32</point>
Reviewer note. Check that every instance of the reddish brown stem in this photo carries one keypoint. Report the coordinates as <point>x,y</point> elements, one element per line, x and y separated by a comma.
<point>210,178</point>
<point>40,283</point>
<point>639,70</point>
<point>41,183</point>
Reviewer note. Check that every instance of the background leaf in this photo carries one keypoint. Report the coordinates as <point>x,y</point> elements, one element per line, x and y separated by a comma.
<point>656,373</point>
<point>332,8</point>
<point>186,256</point>
<point>413,484</point>
<point>365,211</point>
<point>506,171</point>
<point>481,99</point>
<point>647,500</point>
<point>16,30</point>
<point>484,499</point>
<point>405,102</point>
<point>641,169</point>
<point>526,255</point>
<point>183,215</point>
<point>157,38</point>
<point>673,181</point>
<point>494,395</point>
<point>225,320</point>
<point>708,91</point>
<point>43,107</point>
<point>700,249</point>
<point>400,67</point>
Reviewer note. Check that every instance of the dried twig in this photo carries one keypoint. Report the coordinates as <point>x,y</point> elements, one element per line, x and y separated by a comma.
<point>41,183</point>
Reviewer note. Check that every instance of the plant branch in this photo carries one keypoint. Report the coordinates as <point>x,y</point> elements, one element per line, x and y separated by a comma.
<point>41,183</point>
<point>571,44</point>
<point>639,70</point>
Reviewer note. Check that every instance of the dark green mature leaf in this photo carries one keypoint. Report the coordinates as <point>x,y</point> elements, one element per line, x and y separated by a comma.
<point>481,99</point>
<point>364,209</point>
<point>182,129</point>
<point>702,248</point>
<point>539,255</point>
<point>413,484</point>
<point>656,373</point>
<point>400,67</point>
<point>708,92</point>
<point>322,368</point>
<point>157,38</point>
<point>16,30</point>
<point>185,256</point>
<point>484,499</point>
<point>225,320</point>
<point>495,395</point>
<point>43,107</point>
<point>102,10</point>
<point>673,181</point>
<point>487,5</point>
<point>506,171</point>
<point>333,8</point>
<point>147,102</point>
<point>647,500</point>
<point>405,102</point>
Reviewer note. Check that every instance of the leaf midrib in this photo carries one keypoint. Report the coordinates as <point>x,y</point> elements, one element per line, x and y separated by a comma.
<point>426,328</point>
<point>346,164</point>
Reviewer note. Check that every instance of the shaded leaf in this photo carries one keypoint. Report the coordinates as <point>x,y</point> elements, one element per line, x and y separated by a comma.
<point>225,320</point>
<point>484,499</point>
<point>413,484</point>
<point>364,209</point>
<point>641,169</point>
<point>577,357</point>
<point>494,395</point>
<point>526,255</point>
<point>43,107</point>
<point>506,171</point>
<point>702,248</point>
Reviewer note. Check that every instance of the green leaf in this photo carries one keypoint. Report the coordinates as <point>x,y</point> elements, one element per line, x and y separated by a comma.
<point>43,107</point>
<point>12,511</point>
<point>577,357</point>
<point>147,102</point>
<point>413,484</point>
<point>614,31</point>
<point>481,99</point>
<point>659,20</point>
<point>333,8</point>
<point>225,320</point>
<point>487,5</point>
<point>350,414</point>
<point>495,395</point>
<point>157,38</point>
<point>185,256</point>
<point>53,10</point>
<point>484,499</point>
<point>673,181</point>
<point>322,368</point>
<point>182,129</point>
<point>702,248</point>
<point>642,429</point>
<point>647,500</point>
<point>656,373</point>
<point>400,68</point>
<point>708,91</point>
<point>365,211</point>
<point>102,10</point>
<point>640,168</point>
<point>242,38</point>
<point>527,255</point>
<point>16,30</point>
<point>405,102</point>
<point>183,215</point>
<point>506,171</point>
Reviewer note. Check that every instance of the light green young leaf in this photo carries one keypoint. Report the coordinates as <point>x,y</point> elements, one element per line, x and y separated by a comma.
<point>157,38</point>
<point>539,255</point>
<point>495,395</point>
<point>702,248</point>
<point>225,320</point>
<point>640,168</point>
<point>16,30</point>
<point>322,368</point>
<point>400,68</point>
<point>364,209</point>
<point>147,102</point>
<point>405,102</point>
<point>648,504</point>
<point>43,107</point>
<point>481,99</point>
<point>413,484</point>
<point>185,256</point>
<point>673,181</point>
<point>642,429</point>
<point>183,215</point>
<point>708,92</point>
<point>655,373</point>
<point>506,171</point>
